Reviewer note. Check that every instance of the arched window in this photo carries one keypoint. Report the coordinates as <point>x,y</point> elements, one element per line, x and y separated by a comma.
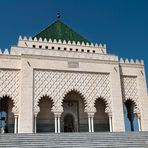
<point>131,121</point>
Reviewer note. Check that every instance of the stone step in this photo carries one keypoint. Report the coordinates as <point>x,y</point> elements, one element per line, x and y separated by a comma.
<point>75,140</point>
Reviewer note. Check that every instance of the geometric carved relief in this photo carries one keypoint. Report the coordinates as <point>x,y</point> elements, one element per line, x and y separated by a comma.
<point>56,84</point>
<point>130,91</point>
<point>10,86</point>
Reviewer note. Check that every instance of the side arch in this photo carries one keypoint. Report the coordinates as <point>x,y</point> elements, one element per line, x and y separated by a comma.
<point>44,119</point>
<point>136,109</point>
<point>130,91</point>
<point>36,103</point>
<point>7,114</point>
<point>131,115</point>
<point>102,115</point>
<point>15,108</point>
<point>108,108</point>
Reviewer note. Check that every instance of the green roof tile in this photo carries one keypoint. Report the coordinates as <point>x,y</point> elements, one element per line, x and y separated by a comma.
<point>60,31</point>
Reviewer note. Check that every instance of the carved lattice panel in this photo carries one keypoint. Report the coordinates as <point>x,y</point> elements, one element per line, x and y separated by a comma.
<point>57,84</point>
<point>10,86</point>
<point>130,90</point>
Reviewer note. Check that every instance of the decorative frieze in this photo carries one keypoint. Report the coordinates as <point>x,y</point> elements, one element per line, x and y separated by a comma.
<point>130,91</point>
<point>56,85</point>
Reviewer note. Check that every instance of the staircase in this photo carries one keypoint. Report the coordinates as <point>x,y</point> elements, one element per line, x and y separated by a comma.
<point>75,140</point>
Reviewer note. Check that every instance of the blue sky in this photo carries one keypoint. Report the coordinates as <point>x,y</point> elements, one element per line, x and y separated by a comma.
<point>121,24</point>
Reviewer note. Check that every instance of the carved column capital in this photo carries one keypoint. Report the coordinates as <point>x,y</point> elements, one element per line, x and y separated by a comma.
<point>109,114</point>
<point>91,114</point>
<point>35,115</point>
<point>57,114</point>
<point>16,114</point>
<point>138,115</point>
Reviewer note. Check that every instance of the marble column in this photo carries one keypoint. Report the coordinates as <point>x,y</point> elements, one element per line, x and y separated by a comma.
<point>139,124</point>
<point>57,122</point>
<point>15,124</point>
<point>110,122</point>
<point>139,121</point>
<point>59,126</point>
<point>91,121</point>
<point>92,124</point>
<point>35,118</point>
<point>89,124</point>
<point>56,125</point>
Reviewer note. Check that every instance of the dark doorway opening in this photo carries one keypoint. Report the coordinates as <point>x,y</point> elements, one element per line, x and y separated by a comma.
<point>69,123</point>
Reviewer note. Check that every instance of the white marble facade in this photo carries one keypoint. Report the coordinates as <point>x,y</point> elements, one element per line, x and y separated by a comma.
<point>34,69</point>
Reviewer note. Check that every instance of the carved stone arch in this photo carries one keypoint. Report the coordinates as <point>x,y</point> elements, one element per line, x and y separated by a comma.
<point>36,103</point>
<point>130,91</point>
<point>15,108</point>
<point>108,108</point>
<point>77,92</point>
<point>136,110</point>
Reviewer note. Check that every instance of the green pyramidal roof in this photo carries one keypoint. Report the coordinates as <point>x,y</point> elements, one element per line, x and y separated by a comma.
<point>59,31</point>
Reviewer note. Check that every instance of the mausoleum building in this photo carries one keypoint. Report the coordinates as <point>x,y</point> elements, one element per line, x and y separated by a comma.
<point>58,81</point>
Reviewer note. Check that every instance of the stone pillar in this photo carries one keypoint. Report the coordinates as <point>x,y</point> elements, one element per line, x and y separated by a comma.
<point>139,124</point>
<point>92,124</point>
<point>15,124</point>
<point>56,125</point>
<point>110,122</point>
<point>57,117</point>
<point>59,126</point>
<point>35,117</point>
<point>139,121</point>
<point>89,123</point>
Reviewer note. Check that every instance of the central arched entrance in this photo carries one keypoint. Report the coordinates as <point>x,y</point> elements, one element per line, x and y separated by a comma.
<point>73,118</point>
<point>69,123</point>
